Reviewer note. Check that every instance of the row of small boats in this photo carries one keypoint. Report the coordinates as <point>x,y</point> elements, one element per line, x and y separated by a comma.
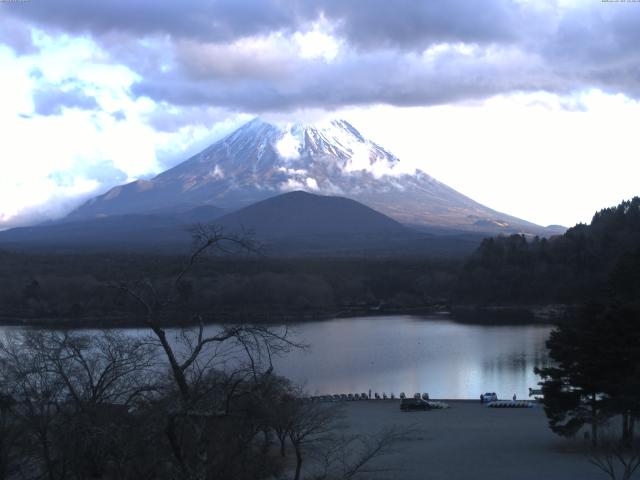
<point>346,397</point>
<point>511,404</point>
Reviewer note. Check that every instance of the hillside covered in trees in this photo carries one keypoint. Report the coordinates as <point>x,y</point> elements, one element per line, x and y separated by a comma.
<point>577,266</point>
<point>81,288</point>
<point>588,262</point>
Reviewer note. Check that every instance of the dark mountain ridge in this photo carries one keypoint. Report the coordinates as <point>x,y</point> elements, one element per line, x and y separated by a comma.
<point>300,213</point>
<point>294,223</point>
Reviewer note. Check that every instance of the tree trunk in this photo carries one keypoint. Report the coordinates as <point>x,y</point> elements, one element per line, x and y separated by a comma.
<point>47,459</point>
<point>170,431</point>
<point>632,424</point>
<point>625,428</point>
<point>594,425</point>
<point>266,445</point>
<point>178,373</point>
<point>298,462</point>
<point>4,463</point>
<point>282,446</point>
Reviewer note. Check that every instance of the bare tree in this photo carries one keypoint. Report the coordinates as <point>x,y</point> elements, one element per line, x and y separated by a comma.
<point>107,368</point>
<point>10,430</point>
<point>259,343</point>
<point>196,354</point>
<point>310,423</point>
<point>72,395</point>
<point>618,459</point>
<point>282,415</point>
<point>39,395</point>
<point>349,457</point>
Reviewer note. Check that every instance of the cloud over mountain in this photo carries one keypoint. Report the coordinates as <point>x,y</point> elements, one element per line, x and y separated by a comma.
<point>273,55</point>
<point>51,101</point>
<point>144,84</point>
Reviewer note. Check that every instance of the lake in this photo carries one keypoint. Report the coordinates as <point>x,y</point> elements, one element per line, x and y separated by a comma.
<point>402,353</point>
<point>411,354</point>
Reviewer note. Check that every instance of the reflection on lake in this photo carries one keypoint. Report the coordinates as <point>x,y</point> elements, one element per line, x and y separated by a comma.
<point>411,354</point>
<point>417,354</point>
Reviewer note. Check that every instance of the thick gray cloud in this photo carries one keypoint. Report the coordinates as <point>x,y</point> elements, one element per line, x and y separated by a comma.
<point>52,100</point>
<point>382,77</point>
<point>16,35</point>
<point>597,47</point>
<point>414,24</point>
<point>194,53</point>
<point>207,20</point>
<point>405,23</point>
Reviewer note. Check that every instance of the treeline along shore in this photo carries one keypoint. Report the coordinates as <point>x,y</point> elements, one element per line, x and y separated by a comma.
<point>83,289</point>
<point>506,277</point>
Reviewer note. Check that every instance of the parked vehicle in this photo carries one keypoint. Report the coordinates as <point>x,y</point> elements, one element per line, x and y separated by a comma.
<point>489,397</point>
<point>408,404</point>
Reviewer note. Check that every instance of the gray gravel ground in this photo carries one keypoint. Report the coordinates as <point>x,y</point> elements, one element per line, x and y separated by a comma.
<point>470,441</point>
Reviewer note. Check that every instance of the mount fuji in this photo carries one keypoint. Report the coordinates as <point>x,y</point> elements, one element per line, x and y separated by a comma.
<point>261,160</point>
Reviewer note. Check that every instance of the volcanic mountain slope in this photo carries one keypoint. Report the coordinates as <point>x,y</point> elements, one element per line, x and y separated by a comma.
<point>293,223</point>
<point>298,223</point>
<point>300,213</point>
<point>135,232</point>
<point>261,160</point>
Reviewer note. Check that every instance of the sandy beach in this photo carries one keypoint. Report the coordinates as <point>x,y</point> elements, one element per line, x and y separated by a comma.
<point>470,441</point>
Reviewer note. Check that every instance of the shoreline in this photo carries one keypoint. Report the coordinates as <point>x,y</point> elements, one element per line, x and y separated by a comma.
<point>465,314</point>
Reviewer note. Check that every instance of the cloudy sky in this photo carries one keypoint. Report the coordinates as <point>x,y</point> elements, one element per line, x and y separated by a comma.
<point>530,107</point>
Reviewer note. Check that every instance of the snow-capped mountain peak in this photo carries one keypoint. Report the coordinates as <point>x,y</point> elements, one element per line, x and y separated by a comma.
<point>260,160</point>
<point>295,147</point>
<point>336,140</point>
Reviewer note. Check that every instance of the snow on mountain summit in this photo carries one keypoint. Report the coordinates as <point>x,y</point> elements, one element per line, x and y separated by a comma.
<point>340,141</point>
<point>260,160</point>
<point>310,155</point>
<point>330,157</point>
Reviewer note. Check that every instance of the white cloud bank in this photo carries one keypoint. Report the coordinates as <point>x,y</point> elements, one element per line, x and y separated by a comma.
<point>528,107</point>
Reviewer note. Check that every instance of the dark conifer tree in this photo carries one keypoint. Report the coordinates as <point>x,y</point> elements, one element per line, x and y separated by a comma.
<point>574,387</point>
<point>595,373</point>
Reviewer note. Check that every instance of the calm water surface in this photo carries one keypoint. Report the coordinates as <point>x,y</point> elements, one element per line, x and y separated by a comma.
<point>417,354</point>
<point>411,354</point>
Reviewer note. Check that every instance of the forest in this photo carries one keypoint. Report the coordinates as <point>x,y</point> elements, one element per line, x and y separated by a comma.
<point>587,262</point>
<point>81,288</point>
